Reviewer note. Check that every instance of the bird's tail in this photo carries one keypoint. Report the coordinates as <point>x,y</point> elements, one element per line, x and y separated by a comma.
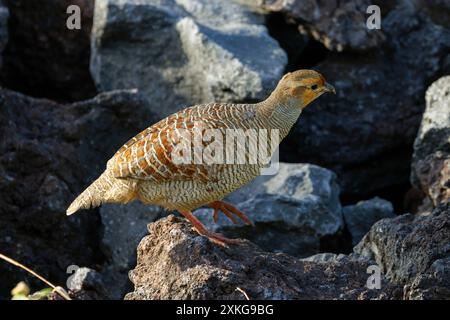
<point>93,196</point>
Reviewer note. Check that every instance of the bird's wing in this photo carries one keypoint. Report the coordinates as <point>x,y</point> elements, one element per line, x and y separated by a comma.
<point>150,154</point>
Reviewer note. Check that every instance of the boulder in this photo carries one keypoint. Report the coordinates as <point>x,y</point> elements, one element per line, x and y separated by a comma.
<point>337,24</point>
<point>430,170</point>
<point>434,284</point>
<point>327,257</point>
<point>361,216</point>
<point>184,52</point>
<point>294,211</point>
<point>86,284</point>
<point>123,228</point>
<point>4,15</point>
<point>49,153</point>
<point>438,11</point>
<point>412,251</point>
<point>44,58</point>
<point>366,131</point>
<point>176,263</point>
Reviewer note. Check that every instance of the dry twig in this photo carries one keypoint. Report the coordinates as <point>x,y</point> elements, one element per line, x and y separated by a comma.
<point>58,290</point>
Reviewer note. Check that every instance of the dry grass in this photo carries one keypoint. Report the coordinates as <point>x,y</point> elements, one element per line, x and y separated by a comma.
<point>57,289</point>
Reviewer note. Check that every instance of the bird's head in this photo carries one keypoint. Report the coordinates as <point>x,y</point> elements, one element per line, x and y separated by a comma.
<point>299,88</point>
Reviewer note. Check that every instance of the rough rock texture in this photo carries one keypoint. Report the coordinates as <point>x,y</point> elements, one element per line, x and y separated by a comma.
<point>434,284</point>
<point>48,154</point>
<point>431,159</point>
<point>366,131</point>
<point>413,251</point>
<point>327,257</point>
<point>361,216</point>
<point>124,226</point>
<point>4,15</point>
<point>337,24</point>
<point>86,284</point>
<point>438,11</point>
<point>182,52</point>
<point>43,57</point>
<point>175,263</point>
<point>293,211</point>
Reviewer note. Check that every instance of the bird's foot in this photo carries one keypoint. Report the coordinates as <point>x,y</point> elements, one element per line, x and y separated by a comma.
<point>229,210</point>
<point>219,239</point>
<point>201,230</point>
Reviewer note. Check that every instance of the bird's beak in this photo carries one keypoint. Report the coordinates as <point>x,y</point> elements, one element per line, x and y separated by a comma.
<point>329,88</point>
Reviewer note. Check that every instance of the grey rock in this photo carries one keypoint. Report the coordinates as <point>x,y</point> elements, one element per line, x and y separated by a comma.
<point>339,25</point>
<point>86,284</point>
<point>366,131</point>
<point>430,170</point>
<point>293,211</point>
<point>325,257</point>
<point>174,262</point>
<point>434,284</point>
<point>406,247</point>
<point>361,216</point>
<point>434,132</point>
<point>4,15</point>
<point>254,4</point>
<point>49,152</point>
<point>82,278</point>
<point>438,11</point>
<point>123,227</point>
<point>182,52</point>
<point>44,58</point>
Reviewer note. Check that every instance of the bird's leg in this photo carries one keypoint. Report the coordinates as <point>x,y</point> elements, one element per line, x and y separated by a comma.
<point>229,210</point>
<point>201,230</point>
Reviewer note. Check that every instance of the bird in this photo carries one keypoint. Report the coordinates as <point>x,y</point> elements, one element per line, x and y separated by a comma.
<point>145,167</point>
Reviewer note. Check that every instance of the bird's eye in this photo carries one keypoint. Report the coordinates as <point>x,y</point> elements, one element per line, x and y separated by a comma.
<point>314,87</point>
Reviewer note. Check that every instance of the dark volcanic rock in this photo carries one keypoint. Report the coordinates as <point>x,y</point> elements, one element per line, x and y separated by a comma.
<point>337,24</point>
<point>438,11</point>
<point>175,263</point>
<point>430,170</point>
<point>412,251</point>
<point>86,284</point>
<point>48,154</point>
<point>4,14</point>
<point>123,227</point>
<point>365,133</point>
<point>361,216</point>
<point>43,57</point>
<point>180,53</point>
<point>294,211</point>
<point>434,284</point>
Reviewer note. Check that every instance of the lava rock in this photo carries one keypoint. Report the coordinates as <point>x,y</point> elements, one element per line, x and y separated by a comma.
<point>4,15</point>
<point>49,153</point>
<point>86,284</point>
<point>176,263</point>
<point>431,159</point>
<point>44,58</point>
<point>365,133</point>
<point>361,216</point>
<point>339,25</point>
<point>407,247</point>
<point>438,11</point>
<point>182,52</point>
<point>434,284</point>
<point>123,228</point>
<point>294,211</point>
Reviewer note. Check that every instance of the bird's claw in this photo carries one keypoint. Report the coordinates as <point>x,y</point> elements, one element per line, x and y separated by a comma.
<point>221,240</point>
<point>217,238</point>
<point>229,211</point>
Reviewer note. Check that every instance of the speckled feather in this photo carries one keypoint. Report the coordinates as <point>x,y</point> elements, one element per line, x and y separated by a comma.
<point>143,168</point>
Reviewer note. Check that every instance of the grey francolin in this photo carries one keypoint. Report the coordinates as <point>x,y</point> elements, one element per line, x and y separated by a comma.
<point>145,168</point>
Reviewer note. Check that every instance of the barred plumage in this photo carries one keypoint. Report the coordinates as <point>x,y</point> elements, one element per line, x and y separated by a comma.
<point>145,169</point>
